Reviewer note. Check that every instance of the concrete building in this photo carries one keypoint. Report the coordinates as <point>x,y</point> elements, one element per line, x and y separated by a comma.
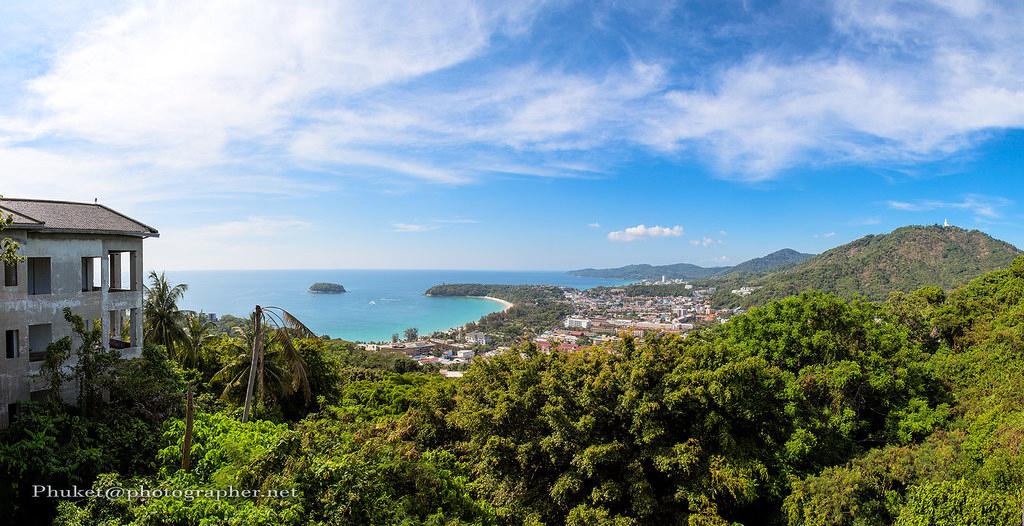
<point>576,323</point>
<point>83,256</point>
<point>477,338</point>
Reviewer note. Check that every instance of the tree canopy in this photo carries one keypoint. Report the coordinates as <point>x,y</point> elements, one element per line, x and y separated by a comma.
<point>808,411</point>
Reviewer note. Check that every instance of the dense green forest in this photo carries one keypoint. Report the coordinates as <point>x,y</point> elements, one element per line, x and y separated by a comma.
<point>904,260</point>
<point>810,410</point>
<point>535,308</point>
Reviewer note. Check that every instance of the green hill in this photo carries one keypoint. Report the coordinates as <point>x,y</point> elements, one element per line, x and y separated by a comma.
<point>780,259</point>
<point>645,271</point>
<point>903,260</point>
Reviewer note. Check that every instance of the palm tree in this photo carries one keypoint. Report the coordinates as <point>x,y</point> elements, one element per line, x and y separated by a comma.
<point>267,358</point>
<point>197,330</point>
<point>163,319</point>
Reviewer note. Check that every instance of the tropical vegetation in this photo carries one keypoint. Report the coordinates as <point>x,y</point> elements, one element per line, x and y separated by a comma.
<point>535,308</point>
<point>165,323</point>
<point>809,410</point>
<point>904,260</point>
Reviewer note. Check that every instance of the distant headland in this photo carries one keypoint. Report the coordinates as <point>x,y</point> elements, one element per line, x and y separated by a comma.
<point>322,287</point>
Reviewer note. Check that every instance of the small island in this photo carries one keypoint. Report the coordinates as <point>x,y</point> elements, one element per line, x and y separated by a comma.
<point>326,288</point>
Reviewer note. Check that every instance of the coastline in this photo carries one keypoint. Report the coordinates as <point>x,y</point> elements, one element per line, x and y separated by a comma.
<point>350,315</point>
<point>506,304</point>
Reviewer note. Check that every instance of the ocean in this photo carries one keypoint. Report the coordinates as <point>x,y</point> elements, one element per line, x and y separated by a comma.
<point>378,303</point>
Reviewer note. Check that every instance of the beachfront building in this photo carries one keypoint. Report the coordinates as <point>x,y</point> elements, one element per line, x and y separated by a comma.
<point>83,256</point>
<point>477,338</point>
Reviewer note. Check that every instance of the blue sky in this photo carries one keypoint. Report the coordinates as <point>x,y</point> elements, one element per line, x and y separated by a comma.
<point>534,135</point>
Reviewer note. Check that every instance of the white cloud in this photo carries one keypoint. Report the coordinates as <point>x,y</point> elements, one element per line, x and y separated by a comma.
<point>255,226</point>
<point>642,231</point>
<point>167,89</point>
<point>825,235</point>
<point>534,108</point>
<point>200,74</point>
<point>912,82</point>
<point>192,85</point>
<point>431,225</point>
<point>981,206</point>
<point>305,148</point>
<point>594,225</point>
<point>413,227</point>
<point>508,111</point>
<point>706,242</point>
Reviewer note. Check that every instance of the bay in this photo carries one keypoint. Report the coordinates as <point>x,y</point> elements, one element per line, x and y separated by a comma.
<point>378,303</point>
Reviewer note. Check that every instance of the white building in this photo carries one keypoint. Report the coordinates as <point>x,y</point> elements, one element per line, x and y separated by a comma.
<point>477,338</point>
<point>577,323</point>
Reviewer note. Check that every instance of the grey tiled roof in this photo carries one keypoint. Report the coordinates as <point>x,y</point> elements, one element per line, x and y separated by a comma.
<point>66,216</point>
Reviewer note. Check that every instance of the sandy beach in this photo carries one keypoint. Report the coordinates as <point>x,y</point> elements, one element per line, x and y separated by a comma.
<point>507,304</point>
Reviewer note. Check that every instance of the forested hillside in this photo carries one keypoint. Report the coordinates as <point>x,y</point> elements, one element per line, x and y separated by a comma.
<point>903,260</point>
<point>535,308</point>
<point>811,410</point>
<point>777,260</point>
<point>645,271</point>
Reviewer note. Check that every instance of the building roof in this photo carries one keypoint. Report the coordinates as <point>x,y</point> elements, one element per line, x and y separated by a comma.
<point>71,217</point>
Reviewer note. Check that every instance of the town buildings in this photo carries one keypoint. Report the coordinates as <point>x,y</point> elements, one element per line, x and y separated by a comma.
<point>477,338</point>
<point>81,256</point>
<point>606,313</point>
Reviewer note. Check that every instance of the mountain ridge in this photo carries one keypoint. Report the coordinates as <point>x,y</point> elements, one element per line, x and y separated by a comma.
<point>873,266</point>
<point>688,271</point>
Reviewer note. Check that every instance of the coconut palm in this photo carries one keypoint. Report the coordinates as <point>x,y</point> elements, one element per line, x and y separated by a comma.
<point>164,321</point>
<point>196,331</point>
<point>266,358</point>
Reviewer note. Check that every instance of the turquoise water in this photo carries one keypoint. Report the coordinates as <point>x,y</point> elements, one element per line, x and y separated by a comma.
<point>378,303</point>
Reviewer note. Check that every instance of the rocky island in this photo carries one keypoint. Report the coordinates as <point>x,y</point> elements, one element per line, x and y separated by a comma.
<point>326,288</point>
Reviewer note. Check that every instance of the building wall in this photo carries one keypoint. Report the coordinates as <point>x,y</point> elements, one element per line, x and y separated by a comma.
<point>19,310</point>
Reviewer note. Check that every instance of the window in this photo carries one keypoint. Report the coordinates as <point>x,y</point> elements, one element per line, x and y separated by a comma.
<point>123,275</point>
<point>121,330</point>
<point>38,275</point>
<point>11,343</point>
<point>39,338</point>
<point>10,274</point>
<point>41,395</point>
<point>91,274</point>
